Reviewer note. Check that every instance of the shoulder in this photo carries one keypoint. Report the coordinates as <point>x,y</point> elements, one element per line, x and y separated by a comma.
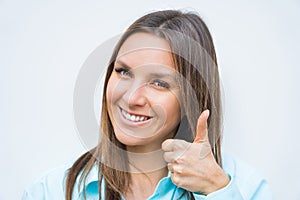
<point>48,186</point>
<point>249,180</point>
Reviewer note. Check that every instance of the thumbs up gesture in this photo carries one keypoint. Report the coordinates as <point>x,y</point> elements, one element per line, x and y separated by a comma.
<point>192,165</point>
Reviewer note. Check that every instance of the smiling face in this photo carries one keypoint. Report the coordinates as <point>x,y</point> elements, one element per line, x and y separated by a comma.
<point>142,93</point>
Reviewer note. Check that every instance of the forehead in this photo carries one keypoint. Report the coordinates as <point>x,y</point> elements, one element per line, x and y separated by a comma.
<point>144,49</point>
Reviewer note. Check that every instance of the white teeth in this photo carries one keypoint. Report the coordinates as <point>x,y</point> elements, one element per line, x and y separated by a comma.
<point>133,117</point>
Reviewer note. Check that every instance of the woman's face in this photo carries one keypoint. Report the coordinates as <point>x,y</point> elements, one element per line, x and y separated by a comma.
<point>142,94</point>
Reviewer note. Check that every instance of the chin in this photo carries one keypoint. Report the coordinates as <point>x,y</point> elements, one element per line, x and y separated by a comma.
<point>130,140</point>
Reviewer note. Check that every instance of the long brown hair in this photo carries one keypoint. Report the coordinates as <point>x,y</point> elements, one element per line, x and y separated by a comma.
<point>200,70</point>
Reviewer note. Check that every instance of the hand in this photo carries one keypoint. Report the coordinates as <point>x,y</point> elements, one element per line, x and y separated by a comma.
<point>192,165</point>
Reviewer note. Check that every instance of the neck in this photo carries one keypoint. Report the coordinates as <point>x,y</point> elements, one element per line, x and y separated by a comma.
<point>150,177</point>
<point>146,163</point>
<point>143,185</point>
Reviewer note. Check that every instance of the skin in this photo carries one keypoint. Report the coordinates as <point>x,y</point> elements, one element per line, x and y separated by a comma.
<point>192,165</point>
<point>137,92</point>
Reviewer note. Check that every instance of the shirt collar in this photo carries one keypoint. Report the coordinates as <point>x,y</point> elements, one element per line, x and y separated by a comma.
<point>164,189</point>
<point>92,177</point>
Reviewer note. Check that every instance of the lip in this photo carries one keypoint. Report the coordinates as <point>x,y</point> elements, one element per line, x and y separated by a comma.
<point>131,123</point>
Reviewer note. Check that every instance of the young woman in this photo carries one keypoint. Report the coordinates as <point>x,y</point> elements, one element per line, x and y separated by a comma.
<point>160,123</point>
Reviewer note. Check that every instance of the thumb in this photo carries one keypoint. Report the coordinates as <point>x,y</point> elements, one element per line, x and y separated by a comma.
<point>202,132</point>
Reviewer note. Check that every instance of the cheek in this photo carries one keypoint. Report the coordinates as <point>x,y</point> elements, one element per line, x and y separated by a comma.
<point>168,109</point>
<point>173,111</point>
<point>111,96</point>
<point>109,91</point>
<point>172,104</point>
<point>112,91</point>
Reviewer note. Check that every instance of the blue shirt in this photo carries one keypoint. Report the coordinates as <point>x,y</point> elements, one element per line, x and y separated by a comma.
<point>245,183</point>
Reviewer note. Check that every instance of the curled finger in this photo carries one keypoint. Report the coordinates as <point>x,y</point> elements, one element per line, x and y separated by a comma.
<point>171,157</point>
<point>170,167</point>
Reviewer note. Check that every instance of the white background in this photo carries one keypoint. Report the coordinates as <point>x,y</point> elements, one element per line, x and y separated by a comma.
<point>44,43</point>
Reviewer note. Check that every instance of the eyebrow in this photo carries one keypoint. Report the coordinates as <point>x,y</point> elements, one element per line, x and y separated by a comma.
<point>153,74</point>
<point>120,62</point>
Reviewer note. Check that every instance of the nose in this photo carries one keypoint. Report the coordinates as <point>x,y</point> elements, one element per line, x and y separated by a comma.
<point>136,96</point>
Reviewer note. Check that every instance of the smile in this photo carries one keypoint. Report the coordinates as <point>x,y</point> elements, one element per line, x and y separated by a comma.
<point>133,117</point>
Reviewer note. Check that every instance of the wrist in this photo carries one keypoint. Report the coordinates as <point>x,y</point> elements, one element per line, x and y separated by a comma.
<point>218,181</point>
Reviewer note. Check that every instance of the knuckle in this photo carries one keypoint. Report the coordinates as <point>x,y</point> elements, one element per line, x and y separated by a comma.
<point>182,144</point>
<point>170,167</point>
<point>179,169</point>
<point>165,144</point>
<point>180,160</point>
<point>176,145</point>
<point>176,180</point>
<point>165,156</point>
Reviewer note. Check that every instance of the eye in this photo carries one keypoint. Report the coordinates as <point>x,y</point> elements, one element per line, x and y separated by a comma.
<point>161,84</point>
<point>123,72</point>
